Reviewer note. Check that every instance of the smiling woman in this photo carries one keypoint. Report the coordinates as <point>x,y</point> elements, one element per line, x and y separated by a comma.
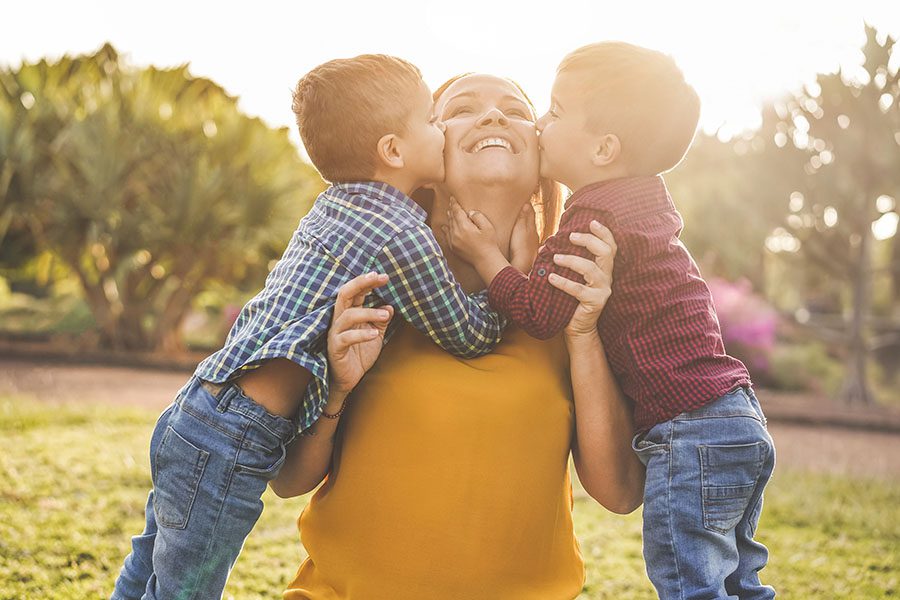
<point>433,461</point>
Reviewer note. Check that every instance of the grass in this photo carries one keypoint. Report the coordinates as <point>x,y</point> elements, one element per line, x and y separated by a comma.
<point>73,482</point>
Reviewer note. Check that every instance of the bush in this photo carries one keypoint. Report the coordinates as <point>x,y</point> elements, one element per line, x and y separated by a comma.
<point>805,366</point>
<point>748,324</point>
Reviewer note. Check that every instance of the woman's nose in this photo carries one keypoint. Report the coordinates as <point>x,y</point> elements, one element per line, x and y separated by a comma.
<point>493,117</point>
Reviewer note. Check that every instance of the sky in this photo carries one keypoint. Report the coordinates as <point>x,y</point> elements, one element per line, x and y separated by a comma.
<point>736,54</point>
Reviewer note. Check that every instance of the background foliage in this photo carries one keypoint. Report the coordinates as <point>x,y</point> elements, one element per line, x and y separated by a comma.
<point>144,186</point>
<point>139,208</point>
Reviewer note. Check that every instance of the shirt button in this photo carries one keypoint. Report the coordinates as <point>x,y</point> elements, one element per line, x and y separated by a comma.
<point>541,272</point>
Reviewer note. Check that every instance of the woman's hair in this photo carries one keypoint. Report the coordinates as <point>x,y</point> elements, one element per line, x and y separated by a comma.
<point>547,199</point>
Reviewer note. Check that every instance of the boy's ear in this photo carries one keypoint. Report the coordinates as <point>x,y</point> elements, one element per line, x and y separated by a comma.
<point>607,150</point>
<point>388,151</point>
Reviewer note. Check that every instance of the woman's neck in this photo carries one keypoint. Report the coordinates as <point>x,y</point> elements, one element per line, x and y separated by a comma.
<point>500,203</point>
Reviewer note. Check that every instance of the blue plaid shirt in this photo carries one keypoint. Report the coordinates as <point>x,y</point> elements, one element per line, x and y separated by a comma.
<point>353,229</point>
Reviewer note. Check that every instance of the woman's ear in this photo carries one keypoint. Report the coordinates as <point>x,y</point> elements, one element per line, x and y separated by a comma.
<point>608,149</point>
<point>388,151</point>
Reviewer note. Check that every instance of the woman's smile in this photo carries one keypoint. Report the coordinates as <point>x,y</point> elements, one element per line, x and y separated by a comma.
<point>492,142</point>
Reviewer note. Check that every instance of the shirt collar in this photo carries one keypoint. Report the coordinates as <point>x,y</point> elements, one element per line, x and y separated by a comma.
<point>627,197</point>
<point>379,192</point>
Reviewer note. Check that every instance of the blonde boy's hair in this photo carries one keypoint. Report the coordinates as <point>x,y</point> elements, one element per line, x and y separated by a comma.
<point>641,96</point>
<point>344,106</point>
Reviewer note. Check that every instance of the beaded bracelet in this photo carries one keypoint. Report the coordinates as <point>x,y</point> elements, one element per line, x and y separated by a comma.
<point>338,413</point>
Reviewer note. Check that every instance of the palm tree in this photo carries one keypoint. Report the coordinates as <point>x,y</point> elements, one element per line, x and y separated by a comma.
<point>150,184</point>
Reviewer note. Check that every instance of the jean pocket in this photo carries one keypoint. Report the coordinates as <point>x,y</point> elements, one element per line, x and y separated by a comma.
<point>646,449</point>
<point>178,468</point>
<point>730,475</point>
<point>262,463</point>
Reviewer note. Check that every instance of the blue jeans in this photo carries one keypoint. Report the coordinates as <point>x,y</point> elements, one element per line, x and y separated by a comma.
<point>706,471</point>
<point>211,457</point>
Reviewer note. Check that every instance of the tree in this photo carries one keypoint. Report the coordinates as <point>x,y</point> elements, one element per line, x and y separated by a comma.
<point>807,188</point>
<point>149,184</point>
<point>848,127</point>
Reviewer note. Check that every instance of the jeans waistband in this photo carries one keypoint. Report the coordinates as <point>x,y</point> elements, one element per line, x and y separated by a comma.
<point>739,402</point>
<point>230,397</point>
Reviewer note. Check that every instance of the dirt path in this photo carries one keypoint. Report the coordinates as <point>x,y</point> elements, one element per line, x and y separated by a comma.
<point>823,449</point>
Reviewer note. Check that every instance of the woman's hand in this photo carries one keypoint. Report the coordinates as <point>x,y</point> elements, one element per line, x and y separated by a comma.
<point>593,294</point>
<point>608,469</point>
<point>355,339</point>
<point>525,241</point>
<point>356,335</point>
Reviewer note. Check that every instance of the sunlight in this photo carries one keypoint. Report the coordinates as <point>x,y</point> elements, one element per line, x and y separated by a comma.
<point>737,56</point>
<point>886,227</point>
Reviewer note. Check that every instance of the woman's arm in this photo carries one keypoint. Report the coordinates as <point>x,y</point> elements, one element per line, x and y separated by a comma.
<point>355,340</point>
<point>608,468</point>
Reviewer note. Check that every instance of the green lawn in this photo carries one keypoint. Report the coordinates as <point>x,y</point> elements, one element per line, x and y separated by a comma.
<point>73,482</point>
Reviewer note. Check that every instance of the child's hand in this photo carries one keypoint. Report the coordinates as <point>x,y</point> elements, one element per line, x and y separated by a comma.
<point>471,235</point>
<point>524,243</point>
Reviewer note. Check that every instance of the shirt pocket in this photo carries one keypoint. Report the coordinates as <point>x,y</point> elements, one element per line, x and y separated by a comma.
<point>729,477</point>
<point>179,466</point>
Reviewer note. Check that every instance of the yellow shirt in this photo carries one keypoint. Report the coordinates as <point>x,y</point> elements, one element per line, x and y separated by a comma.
<point>450,481</point>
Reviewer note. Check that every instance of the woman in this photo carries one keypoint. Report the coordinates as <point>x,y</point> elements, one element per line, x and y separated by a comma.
<point>450,477</point>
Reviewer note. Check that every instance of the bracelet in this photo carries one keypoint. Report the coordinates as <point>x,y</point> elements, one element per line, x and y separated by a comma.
<point>338,413</point>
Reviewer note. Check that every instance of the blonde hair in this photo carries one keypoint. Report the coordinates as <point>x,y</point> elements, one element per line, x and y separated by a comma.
<point>641,96</point>
<point>344,106</point>
<point>547,198</point>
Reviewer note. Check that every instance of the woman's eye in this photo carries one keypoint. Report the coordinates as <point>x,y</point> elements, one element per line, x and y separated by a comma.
<point>460,110</point>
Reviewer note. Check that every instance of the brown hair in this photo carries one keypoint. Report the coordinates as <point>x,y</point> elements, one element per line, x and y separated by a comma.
<point>547,199</point>
<point>344,106</point>
<point>641,96</point>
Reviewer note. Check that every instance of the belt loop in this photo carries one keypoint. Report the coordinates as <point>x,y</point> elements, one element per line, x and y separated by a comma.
<point>219,391</point>
<point>224,397</point>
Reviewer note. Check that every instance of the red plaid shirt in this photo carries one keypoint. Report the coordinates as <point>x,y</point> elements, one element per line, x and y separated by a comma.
<point>659,327</point>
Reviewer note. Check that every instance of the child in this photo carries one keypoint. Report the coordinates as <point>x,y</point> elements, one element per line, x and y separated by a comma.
<point>620,115</point>
<point>367,124</point>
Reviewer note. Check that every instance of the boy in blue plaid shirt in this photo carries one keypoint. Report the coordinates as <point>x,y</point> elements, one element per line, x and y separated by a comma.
<point>368,127</point>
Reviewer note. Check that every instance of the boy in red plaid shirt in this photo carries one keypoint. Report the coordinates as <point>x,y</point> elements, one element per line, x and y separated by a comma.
<point>620,115</point>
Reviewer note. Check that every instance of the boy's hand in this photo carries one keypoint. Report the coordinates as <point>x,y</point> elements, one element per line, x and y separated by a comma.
<point>471,235</point>
<point>356,334</point>
<point>473,238</point>
<point>524,243</point>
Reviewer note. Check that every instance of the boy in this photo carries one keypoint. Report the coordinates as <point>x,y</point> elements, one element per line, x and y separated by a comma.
<point>368,127</point>
<point>620,115</point>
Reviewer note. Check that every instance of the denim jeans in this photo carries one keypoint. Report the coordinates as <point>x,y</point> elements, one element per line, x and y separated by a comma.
<point>706,471</point>
<point>211,457</point>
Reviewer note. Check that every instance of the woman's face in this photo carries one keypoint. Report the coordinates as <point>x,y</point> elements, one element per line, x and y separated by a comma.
<point>490,135</point>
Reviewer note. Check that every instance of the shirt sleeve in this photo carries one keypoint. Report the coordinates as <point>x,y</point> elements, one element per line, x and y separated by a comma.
<point>531,302</point>
<point>422,288</point>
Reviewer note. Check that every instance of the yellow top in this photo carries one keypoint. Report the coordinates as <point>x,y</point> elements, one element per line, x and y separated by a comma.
<point>450,481</point>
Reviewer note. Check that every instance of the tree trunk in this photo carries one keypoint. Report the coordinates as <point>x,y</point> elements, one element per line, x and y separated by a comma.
<point>99,305</point>
<point>895,273</point>
<point>856,384</point>
<point>166,336</point>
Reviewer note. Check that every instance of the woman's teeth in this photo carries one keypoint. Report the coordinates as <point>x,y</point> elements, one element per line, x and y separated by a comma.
<point>491,142</point>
